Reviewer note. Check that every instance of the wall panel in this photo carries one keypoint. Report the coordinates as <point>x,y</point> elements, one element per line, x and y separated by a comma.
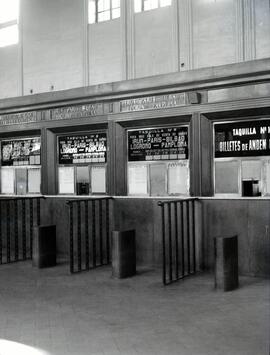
<point>52,44</point>
<point>262,28</point>
<point>214,32</point>
<point>10,78</point>
<point>155,44</point>
<point>105,52</point>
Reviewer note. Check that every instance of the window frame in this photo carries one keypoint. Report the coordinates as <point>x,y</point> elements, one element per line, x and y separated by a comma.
<point>110,10</point>
<point>10,23</point>
<point>142,6</point>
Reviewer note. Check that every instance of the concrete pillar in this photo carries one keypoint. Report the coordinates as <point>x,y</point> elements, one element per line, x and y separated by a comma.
<point>44,246</point>
<point>123,254</point>
<point>226,263</point>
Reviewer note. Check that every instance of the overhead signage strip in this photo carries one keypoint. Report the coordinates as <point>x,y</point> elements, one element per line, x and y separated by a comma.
<point>242,139</point>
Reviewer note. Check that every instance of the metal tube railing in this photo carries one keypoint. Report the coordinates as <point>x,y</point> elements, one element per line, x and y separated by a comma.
<point>17,221</point>
<point>89,226</point>
<point>178,218</point>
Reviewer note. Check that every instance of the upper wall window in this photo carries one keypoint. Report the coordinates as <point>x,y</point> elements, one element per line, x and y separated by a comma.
<point>145,5</point>
<point>9,13</point>
<point>103,10</point>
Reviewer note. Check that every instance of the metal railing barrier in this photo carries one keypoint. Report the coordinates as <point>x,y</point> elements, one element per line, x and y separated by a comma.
<point>178,218</point>
<point>89,228</point>
<point>18,216</point>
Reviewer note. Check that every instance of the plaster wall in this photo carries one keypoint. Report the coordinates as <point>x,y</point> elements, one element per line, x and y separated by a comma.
<point>214,33</point>
<point>154,42</point>
<point>58,50</point>
<point>106,60</point>
<point>52,45</point>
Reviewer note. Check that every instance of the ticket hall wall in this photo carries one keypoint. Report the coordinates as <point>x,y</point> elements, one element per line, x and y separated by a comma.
<point>195,106</point>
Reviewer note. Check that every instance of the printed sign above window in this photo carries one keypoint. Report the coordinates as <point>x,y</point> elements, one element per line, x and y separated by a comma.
<point>84,148</point>
<point>158,144</point>
<point>242,139</point>
<point>20,152</point>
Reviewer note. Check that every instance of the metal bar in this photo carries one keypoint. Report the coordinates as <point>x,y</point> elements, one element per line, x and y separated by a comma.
<point>194,236</point>
<point>1,246</point>
<point>71,246</point>
<point>31,227</point>
<point>16,230</point>
<point>100,233</point>
<point>163,245</point>
<point>94,232</point>
<point>38,211</point>
<point>182,240</point>
<point>160,203</point>
<point>170,240</point>
<point>79,239</point>
<point>86,235</point>
<point>176,241</point>
<point>188,237</point>
<point>107,231</point>
<point>8,231</point>
<point>24,229</point>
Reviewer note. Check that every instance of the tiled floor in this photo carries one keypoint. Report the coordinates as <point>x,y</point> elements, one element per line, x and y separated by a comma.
<point>54,313</point>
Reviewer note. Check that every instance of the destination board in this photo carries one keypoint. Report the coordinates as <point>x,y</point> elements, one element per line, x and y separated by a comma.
<point>83,148</point>
<point>240,139</point>
<point>20,152</point>
<point>158,144</point>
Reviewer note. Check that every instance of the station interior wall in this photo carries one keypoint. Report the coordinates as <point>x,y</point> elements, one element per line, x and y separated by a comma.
<point>58,50</point>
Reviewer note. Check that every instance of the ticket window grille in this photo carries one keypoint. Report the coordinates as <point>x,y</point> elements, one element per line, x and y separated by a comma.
<point>20,166</point>
<point>82,167</point>
<point>159,164</point>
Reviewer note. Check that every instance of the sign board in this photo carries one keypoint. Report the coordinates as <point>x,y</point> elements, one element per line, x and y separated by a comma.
<point>80,111</point>
<point>242,139</point>
<point>83,148</point>
<point>20,152</point>
<point>153,102</point>
<point>158,144</point>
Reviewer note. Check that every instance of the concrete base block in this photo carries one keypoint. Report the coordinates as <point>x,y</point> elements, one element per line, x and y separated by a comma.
<point>123,254</point>
<point>44,246</point>
<point>226,263</point>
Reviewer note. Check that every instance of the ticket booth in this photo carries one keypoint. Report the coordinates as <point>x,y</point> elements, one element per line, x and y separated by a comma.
<point>21,166</point>
<point>242,158</point>
<point>158,161</point>
<point>82,163</point>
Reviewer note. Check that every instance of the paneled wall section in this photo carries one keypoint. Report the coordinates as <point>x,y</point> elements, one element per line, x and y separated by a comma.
<point>58,50</point>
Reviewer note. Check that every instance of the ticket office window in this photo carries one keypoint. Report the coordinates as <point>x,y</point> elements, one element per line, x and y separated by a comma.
<point>21,166</point>
<point>242,159</point>
<point>82,164</point>
<point>158,162</point>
